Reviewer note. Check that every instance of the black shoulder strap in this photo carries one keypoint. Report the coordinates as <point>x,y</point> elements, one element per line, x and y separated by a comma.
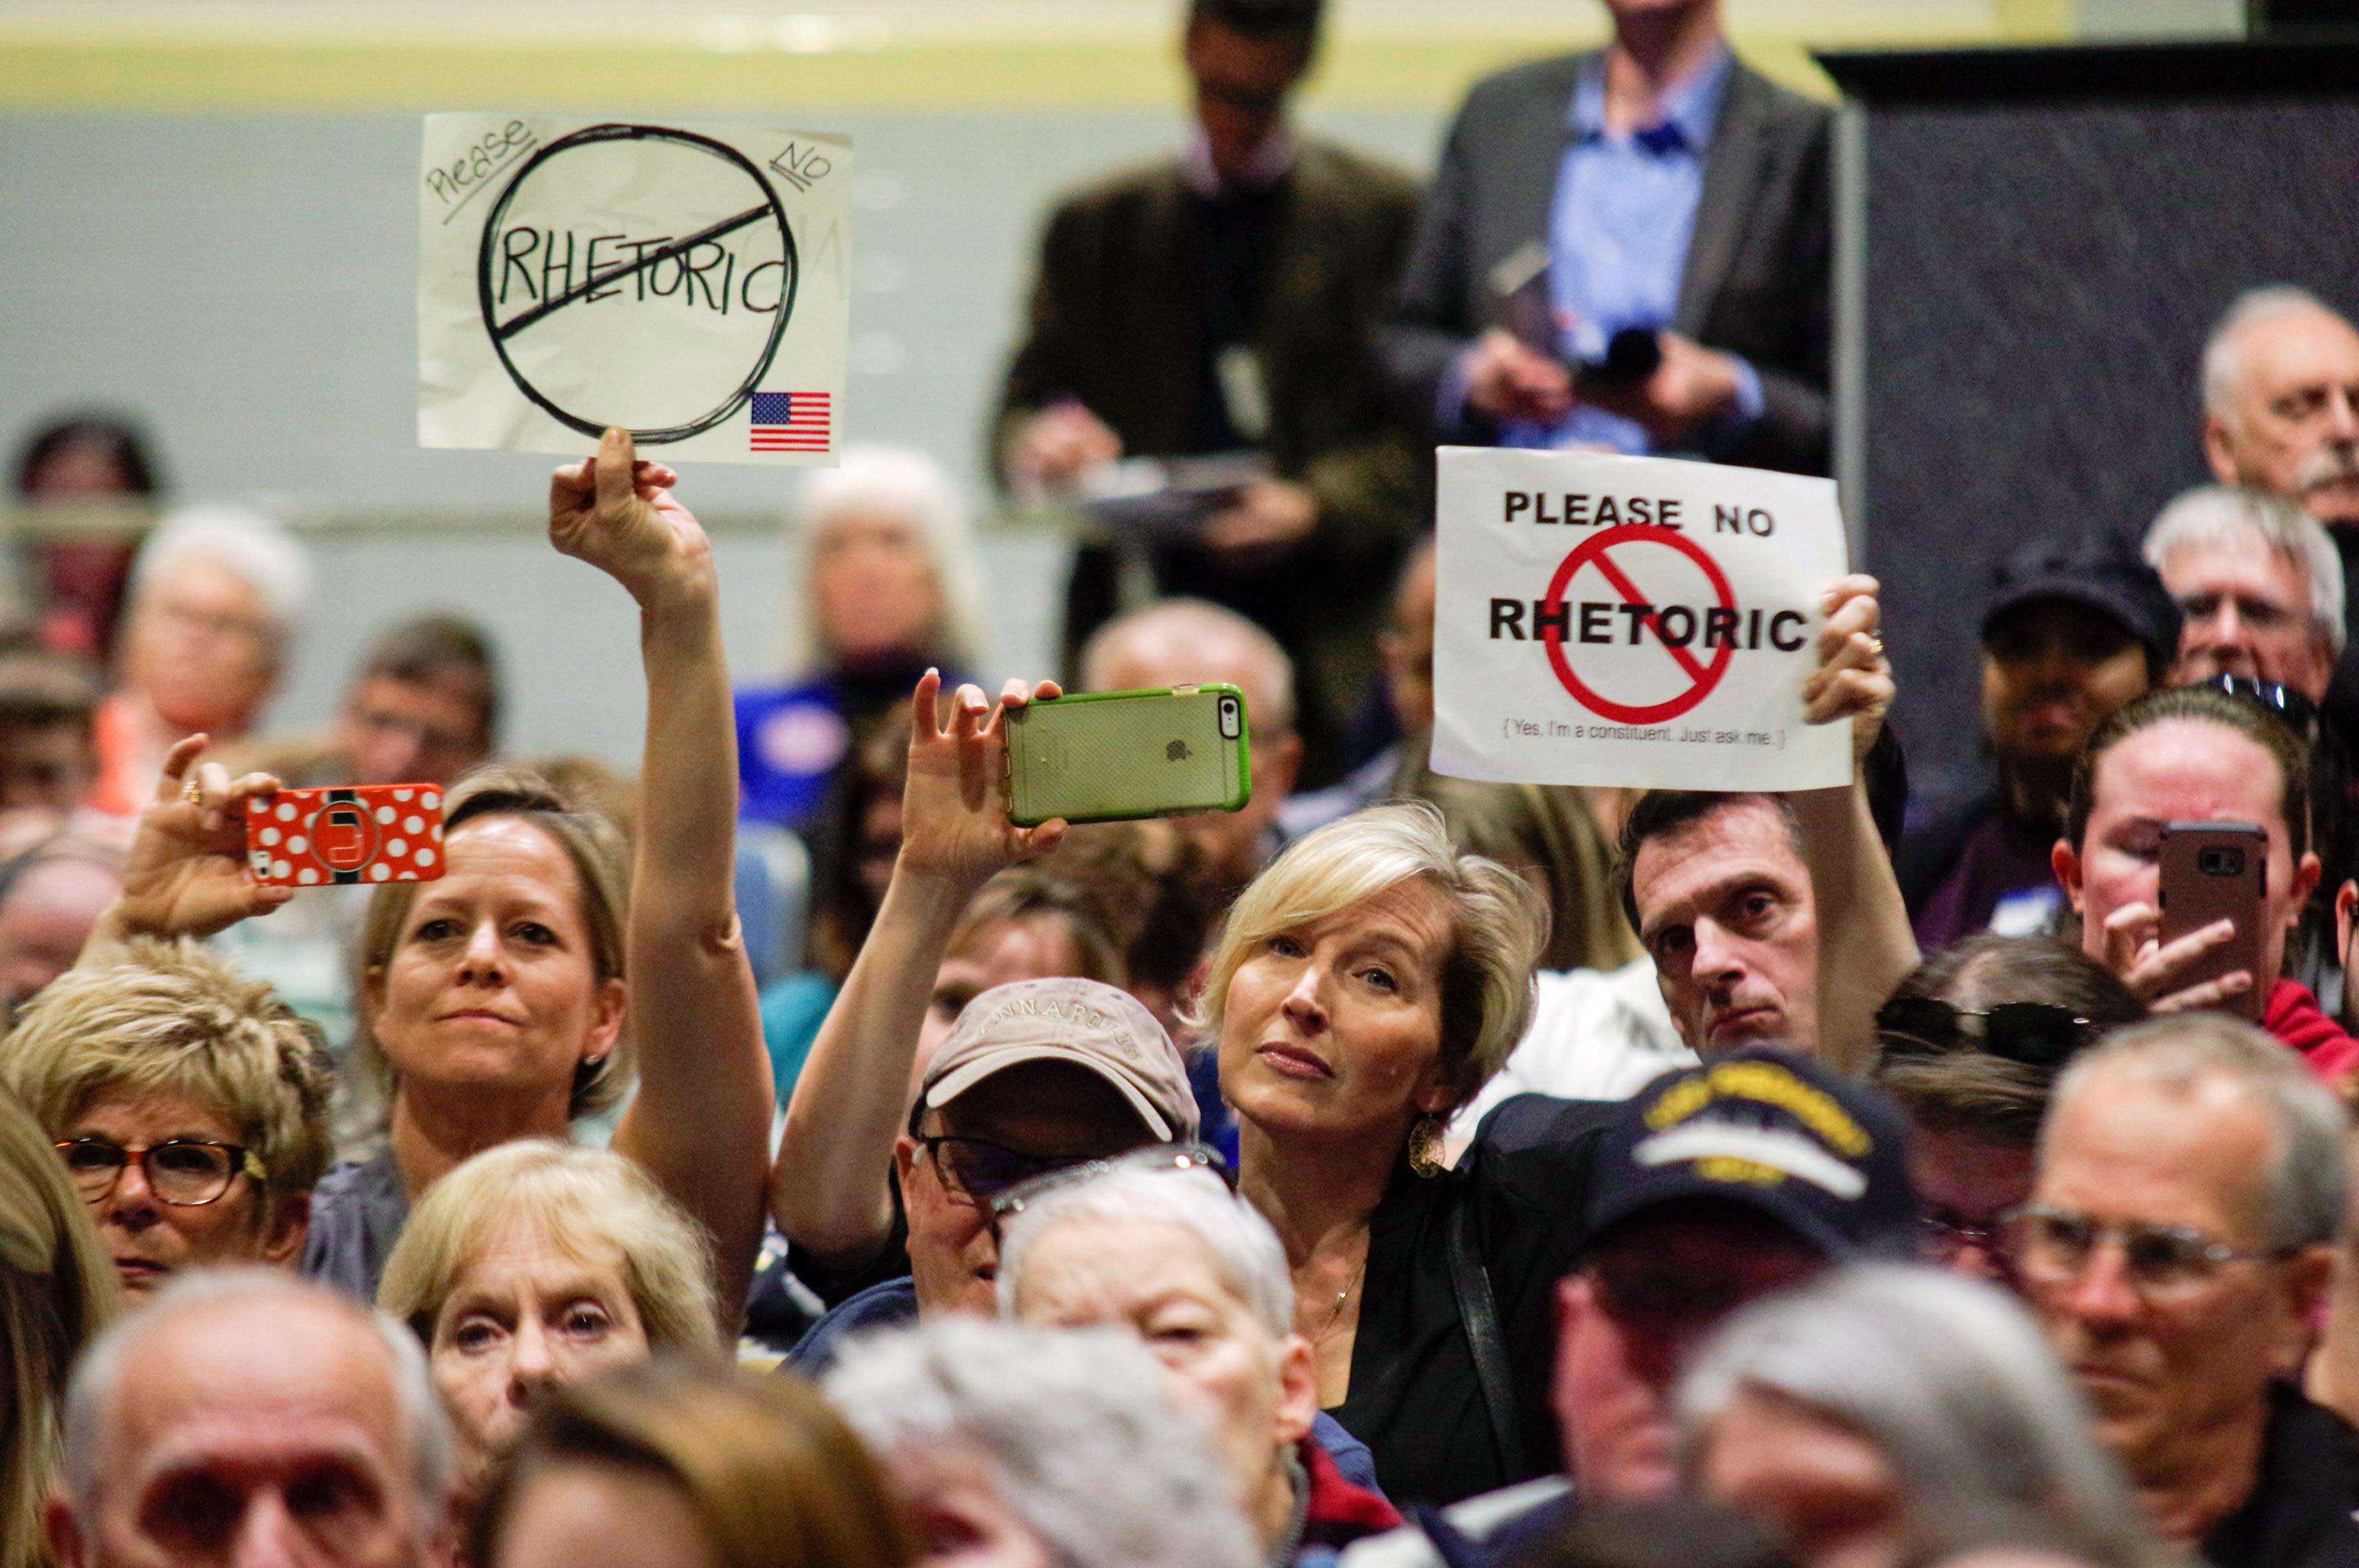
<point>1476,1309</point>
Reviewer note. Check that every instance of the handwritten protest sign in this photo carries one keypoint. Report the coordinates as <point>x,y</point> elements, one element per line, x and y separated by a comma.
<point>1631,620</point>
<point>685,282</point>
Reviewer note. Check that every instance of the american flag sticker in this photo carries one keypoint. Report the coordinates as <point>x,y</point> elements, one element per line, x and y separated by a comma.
<point>790,422</point>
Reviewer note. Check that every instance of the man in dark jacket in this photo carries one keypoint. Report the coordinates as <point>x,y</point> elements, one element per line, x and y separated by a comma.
<point>2178,1247</point>
<point>1223,304</point>
<point>1656,212</point>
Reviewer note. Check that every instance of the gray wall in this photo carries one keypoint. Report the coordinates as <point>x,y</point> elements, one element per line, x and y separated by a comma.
<point>246,284</point>
<point>2040,278</point>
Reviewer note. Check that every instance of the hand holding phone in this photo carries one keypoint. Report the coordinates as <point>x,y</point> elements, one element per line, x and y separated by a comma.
<point>2212,871</point>
<point>328,837</point>
<point>1115,756</point>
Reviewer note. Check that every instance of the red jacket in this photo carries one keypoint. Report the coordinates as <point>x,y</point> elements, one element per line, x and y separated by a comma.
<point>1339,1513</point>
<point>2294,1017</point>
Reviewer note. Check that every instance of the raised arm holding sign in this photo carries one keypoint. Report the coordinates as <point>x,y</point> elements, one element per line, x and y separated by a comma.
<point>1865,945</point>
<point>1687,629</point>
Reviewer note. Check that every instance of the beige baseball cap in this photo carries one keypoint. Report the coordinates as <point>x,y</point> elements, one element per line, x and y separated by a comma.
<point>1081,1022</point>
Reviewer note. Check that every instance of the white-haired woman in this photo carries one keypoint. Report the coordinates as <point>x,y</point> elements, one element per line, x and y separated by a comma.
<point>1886,1408</point>
<point>538,1264</point>
<point>215,593</point>
<point>1017,1446</point>
<point>891,587</point>
<point>1156,1245</point>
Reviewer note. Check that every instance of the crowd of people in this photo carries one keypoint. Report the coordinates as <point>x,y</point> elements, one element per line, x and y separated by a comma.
<point>786,1157</point>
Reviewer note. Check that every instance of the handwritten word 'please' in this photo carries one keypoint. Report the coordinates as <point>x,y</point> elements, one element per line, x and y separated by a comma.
<point>458,178</point>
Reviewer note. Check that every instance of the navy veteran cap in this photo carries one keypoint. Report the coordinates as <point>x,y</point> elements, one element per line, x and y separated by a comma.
<point>1820,1153</point>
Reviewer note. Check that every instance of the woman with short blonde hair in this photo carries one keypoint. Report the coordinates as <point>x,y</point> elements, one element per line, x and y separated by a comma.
<point>585,1198</point>
<point>170,1044</point>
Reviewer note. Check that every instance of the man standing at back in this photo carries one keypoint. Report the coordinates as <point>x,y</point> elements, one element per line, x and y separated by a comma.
<point>1658,193</point>
<point>1224,303</point>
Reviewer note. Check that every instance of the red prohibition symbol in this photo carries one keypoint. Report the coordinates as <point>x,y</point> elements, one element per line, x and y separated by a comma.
<point>1593,552</point>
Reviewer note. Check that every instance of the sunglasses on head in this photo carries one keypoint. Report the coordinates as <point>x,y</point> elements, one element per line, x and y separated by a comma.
<point>2297,711</point>
<point>2036,1033</point>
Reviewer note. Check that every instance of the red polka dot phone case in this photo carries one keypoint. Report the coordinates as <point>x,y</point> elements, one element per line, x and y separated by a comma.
<point>327,838</point>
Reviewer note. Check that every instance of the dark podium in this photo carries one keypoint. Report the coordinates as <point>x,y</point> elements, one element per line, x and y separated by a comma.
<point>2033,245</point>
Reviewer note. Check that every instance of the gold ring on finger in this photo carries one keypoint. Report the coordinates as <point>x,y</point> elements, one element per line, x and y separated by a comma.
<point>193,793</point>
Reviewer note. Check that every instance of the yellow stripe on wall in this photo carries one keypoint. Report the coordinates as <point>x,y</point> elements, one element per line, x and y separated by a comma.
<point>67,69</point>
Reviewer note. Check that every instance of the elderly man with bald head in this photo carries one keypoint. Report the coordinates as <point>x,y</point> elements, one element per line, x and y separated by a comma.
<point>2281,415</point>
<point>2281,401</point>
<point>1190,642</point>
<point>245,1419</point>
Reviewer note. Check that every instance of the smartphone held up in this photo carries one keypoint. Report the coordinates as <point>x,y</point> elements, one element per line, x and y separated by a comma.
<point>1112,755</point>
<point>328,837</point>
<point>2212,871</point>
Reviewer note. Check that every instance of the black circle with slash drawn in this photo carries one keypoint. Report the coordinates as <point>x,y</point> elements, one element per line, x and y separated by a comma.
<point>768,209</point>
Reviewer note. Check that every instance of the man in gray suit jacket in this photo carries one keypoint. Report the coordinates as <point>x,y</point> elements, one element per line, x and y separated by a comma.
<point>1657,189</point>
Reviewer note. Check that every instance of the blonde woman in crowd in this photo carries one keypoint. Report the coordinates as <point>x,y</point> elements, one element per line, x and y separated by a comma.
<point>190,1105</point>
<point>535,1265</point>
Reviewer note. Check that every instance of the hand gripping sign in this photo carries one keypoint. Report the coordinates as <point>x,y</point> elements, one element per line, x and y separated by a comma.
<point>1642,621</point>
<point>684,282</point>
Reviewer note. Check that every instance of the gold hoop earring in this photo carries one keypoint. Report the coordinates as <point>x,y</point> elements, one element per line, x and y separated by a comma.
<point>1425,1146</point>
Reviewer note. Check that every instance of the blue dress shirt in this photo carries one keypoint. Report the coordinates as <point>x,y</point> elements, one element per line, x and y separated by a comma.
<point>1619,229</point>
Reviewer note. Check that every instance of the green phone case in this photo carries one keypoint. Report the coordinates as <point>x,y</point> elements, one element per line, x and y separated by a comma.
<point>1111,755</point>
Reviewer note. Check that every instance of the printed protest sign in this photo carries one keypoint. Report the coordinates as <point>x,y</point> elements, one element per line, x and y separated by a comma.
<point>685,282</point>
<point>1642,621</point>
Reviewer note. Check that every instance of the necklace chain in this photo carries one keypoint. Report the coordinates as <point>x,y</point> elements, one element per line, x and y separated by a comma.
<point>1335,1314</point>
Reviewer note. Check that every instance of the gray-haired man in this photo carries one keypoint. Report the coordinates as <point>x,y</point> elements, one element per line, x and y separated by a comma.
<point>2281,401</point>
<point>2281,415</point>
<point>268,1421</point>
<point>2259,583</point>
<point>2177,1248</point>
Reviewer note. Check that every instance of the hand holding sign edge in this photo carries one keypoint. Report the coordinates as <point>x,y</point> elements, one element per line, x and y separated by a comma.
<point>1854,679</point>
<point>616,511</point>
